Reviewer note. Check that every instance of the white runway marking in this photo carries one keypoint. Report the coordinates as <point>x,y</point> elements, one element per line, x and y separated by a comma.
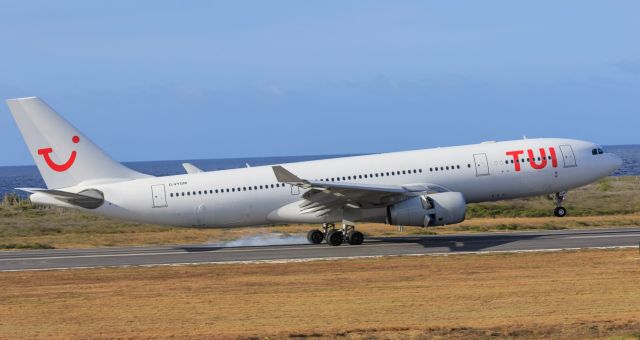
<point>605,236</point>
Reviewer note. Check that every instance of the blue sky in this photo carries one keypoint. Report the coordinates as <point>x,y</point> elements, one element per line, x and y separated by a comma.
<point>158,80</point>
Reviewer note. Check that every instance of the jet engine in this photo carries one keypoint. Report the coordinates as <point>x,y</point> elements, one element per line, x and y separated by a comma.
<point>428,210</point>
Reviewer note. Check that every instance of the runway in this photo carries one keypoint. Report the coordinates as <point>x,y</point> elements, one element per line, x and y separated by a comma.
<point>373,247</point>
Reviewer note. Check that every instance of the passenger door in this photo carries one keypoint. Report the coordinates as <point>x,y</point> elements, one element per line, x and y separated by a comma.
<point>481,163</point>
<point>567,156</point>
<point>159,196</point>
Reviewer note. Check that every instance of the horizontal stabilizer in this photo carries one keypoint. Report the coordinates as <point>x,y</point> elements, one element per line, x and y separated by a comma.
<point>88,199</point>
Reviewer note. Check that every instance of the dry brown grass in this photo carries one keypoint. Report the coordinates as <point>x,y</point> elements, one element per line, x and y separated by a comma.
<point>574,294</point>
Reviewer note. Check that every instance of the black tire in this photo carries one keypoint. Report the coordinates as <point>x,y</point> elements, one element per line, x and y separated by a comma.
<point>356,238</point>
<point>335,238</point>
<point>560,212</point>
<point>315,236</point>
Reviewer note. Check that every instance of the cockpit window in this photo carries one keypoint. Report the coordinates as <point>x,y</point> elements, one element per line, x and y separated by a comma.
<point>597,151</point>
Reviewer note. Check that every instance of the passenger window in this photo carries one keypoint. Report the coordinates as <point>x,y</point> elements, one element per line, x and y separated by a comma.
<point>458,166</point>
<point>430,169</point>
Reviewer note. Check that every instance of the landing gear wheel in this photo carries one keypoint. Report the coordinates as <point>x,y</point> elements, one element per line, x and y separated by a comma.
<point>315,236</point>
<point>356,238</point>
<point>560,212</point>
<point>335,238</point>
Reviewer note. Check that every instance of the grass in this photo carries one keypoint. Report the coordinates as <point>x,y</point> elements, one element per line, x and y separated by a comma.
<point>571,294</point>
<point>609,202</point>
<point>25,246</point>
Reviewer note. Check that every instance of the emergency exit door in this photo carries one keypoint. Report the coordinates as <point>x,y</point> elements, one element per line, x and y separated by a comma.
<point>159,196</point>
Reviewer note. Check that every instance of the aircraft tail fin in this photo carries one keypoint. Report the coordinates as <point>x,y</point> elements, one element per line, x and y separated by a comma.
<point>64,156</point>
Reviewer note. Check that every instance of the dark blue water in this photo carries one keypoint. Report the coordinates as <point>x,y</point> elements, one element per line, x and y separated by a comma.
<point>28,177</point>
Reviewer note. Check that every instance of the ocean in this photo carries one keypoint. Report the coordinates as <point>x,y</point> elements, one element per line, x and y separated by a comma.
<point>27,176</point>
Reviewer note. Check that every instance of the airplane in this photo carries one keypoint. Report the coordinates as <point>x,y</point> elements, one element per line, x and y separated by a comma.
<point>422,188</point>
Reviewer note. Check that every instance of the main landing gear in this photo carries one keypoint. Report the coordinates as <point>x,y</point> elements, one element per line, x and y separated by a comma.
<point>559,197</point>
<point>336,237</point>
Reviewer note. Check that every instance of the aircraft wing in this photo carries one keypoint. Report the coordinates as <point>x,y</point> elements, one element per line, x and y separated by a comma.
<point>324,197</point>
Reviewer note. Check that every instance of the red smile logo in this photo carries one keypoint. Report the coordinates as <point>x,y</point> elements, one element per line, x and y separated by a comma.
<point>45,152</point>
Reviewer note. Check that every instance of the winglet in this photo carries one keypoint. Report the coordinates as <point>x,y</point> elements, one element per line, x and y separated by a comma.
<point>190,168</point>
<point>285,176</point>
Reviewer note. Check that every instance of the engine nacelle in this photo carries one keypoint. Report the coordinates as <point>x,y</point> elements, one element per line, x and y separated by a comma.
<point>428,210</point>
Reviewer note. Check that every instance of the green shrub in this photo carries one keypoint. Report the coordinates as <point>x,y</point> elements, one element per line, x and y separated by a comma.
<point>25,246</point>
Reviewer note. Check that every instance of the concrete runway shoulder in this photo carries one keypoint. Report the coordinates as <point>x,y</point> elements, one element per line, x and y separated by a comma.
<point>378,246</point>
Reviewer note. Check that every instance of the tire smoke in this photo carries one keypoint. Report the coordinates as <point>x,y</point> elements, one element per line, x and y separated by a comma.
<point>265,240</point>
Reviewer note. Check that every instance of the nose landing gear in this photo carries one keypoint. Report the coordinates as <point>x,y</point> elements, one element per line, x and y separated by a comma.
<point>560,211</point>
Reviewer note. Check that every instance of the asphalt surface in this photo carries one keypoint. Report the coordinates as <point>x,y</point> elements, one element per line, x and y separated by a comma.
<point>382,246</point>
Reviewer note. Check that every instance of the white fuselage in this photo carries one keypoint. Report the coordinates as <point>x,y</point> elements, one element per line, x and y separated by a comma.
<point>252,196</point>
